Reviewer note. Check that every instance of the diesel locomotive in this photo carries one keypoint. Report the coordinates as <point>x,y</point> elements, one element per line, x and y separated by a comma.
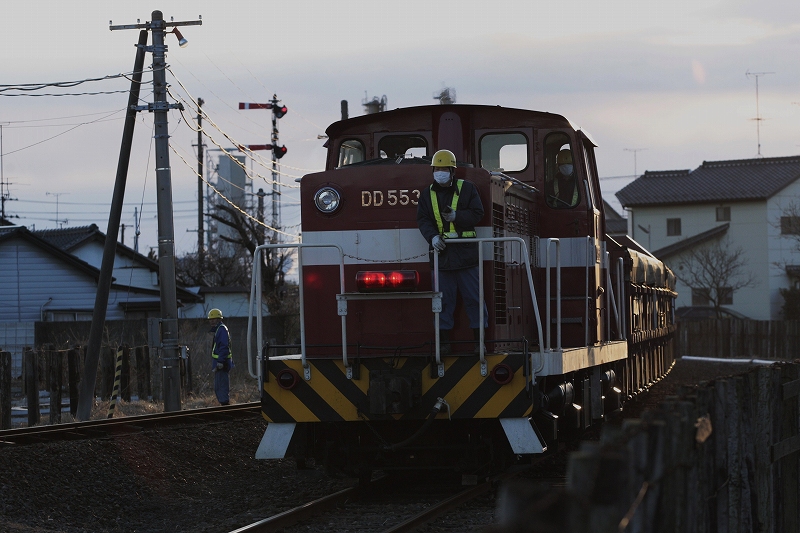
<point>578,322</point>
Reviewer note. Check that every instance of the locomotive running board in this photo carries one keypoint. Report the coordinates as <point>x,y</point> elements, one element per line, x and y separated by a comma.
<point>275,441</point>
<point>522,436</point>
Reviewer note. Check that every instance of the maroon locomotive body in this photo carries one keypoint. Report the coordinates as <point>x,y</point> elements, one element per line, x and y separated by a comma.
<point>578,322</point>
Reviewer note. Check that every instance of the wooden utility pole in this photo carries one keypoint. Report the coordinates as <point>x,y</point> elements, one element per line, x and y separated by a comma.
<point>201,254</point>
<point>109,251</point>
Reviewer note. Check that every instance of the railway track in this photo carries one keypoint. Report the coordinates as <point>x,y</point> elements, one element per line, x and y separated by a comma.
<point>94,429</point>
<point>357,495</point>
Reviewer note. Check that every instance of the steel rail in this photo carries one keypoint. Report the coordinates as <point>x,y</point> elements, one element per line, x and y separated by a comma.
<point>448,504</point>
<point>300,513</point>
<point>128,424</point>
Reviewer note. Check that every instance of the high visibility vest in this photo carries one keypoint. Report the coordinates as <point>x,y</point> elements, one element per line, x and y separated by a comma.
<point>452,233</point>
<point>214,354</point>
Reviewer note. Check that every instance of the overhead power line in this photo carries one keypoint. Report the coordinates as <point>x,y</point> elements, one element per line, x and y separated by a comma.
<point>38,86</point>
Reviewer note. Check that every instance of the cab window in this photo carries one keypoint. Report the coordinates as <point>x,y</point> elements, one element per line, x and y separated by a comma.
<point>504,152</point>
<point>587,150</point>
<point>405,146</point>
<point>561,185</point>
<point>351,151</point>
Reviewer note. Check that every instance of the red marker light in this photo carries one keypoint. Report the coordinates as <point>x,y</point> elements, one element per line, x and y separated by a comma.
<point>288,379</point>
<point>387,281</point>
<point>502,374</point>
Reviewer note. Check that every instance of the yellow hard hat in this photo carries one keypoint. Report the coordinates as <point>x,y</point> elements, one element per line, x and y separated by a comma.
<point>444,158</point>
<point>564,157</point>
<point>214,313</point>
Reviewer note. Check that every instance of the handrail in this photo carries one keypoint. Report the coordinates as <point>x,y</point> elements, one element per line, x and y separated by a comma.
<point>255,292</point>
<point>620,291</point>
<point>255,296</point>
<point>557,242</point>
<point>526,256</point>
<point>589,245</point>
<point>610,291</point>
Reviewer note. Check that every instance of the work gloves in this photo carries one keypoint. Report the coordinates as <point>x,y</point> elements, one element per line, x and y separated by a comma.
<point>449,215</point>
<point>220,366</point>
<point>438,242</point>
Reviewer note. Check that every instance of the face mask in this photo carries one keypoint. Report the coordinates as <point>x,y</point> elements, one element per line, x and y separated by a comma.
<point>442,177</point>
<point>565,170</point>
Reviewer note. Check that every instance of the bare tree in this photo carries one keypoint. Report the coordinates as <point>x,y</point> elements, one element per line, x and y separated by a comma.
<point>218,270</point>
<point>716,271</point>
<point>250,234</point>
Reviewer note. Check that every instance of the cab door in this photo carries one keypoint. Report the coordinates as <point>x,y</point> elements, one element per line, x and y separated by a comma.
<point>598,292</point>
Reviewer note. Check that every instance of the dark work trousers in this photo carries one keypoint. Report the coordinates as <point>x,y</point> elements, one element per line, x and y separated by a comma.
<point>465,282</point>
<point>222,386</point>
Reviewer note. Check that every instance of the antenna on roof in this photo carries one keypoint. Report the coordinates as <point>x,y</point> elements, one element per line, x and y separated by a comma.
<point>634,150</point>
<point>446,96</point>
<point>758,118</point>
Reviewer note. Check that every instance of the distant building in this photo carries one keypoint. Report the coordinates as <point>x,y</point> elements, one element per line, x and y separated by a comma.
<point>740,203</point>
<point>233,184</point>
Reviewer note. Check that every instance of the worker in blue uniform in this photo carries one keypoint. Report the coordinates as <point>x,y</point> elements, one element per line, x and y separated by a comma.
<point>222,360</point>
<point>450,209</point>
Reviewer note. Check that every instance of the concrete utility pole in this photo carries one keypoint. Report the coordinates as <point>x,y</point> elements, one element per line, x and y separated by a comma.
<point>201,253</point>
<point>170,353</point>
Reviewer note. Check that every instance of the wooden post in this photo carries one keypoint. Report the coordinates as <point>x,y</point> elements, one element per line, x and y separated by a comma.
<point>5,390</point>
<point>74,365</point>
<point>108,368</point>
<point>32,386</point>
<point>138,356</point>
<point>788,486</point>
<point>125,378</point>
<point>55,371</point>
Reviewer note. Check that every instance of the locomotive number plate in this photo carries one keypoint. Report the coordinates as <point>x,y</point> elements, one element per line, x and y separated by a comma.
<point>390,198</point>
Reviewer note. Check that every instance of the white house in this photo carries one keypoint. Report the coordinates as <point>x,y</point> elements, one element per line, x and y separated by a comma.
<point>41,282</point>
<point>131,269</point>
<point>744,203</point>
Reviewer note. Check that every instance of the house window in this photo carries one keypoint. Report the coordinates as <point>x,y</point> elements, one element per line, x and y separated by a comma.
<point>723,214</point>
<point>700,297</point>
<point>673,226</point>
<point>790,225</point>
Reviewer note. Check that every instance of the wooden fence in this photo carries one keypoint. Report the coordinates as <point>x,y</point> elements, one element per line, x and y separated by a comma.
<point>60,371</point>
<point>764,339</point>
<point>720,457</point>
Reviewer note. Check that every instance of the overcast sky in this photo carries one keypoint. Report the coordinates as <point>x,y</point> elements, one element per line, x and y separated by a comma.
<point>666,79</point>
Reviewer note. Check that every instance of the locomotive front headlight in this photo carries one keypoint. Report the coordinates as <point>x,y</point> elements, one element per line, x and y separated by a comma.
<point>327,200</point>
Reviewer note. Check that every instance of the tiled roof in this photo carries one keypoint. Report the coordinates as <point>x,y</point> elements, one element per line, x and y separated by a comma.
<point>690,242</point>
<point>713,181</point>
<point>66,238</point>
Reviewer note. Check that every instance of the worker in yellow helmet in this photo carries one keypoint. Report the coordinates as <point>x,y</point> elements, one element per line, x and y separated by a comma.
<point>561,185</point>
<point>450,210</point>
<point>221,357</point>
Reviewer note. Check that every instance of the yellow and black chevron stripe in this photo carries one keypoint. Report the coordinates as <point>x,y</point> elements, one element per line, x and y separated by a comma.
<point>330,397</point>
